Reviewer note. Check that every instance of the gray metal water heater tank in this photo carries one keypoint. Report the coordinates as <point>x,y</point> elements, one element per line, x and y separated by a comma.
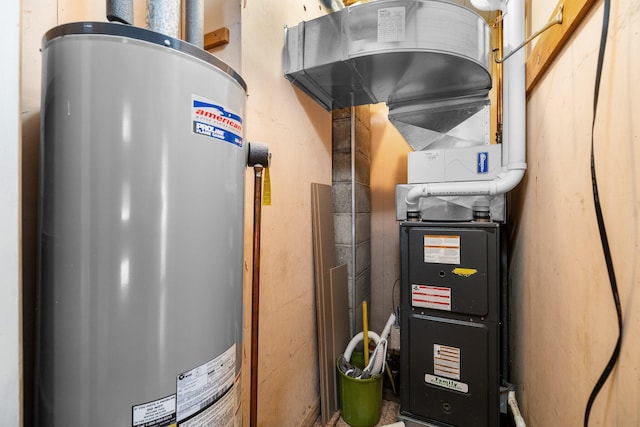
<point>141,231</point>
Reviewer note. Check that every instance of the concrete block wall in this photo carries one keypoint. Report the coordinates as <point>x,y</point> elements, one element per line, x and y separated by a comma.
<point>351,156</point>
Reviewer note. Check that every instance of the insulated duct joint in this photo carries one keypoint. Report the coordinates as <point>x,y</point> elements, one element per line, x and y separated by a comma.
<point>120,11</point>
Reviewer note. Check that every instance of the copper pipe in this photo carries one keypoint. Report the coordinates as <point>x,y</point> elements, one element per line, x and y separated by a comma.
<point>255,293</point>
<point>556,20</point>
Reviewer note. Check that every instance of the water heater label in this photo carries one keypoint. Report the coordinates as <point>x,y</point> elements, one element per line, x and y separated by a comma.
<point>159,413</point>
<point>204,386</point>
<point>442,249</point>
<point>215,121</point>
<point>226,412</point>
<point>222,413</point>
<point>391,24</point>
<point>435,297</point>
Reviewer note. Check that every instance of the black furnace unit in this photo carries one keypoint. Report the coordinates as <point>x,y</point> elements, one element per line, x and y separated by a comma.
<point>450,324</point>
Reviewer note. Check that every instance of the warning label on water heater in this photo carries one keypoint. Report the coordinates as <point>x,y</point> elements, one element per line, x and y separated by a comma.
<point>220,414</point>
<point>215,121</point>
<point>206,386</point>
<point>159,413</point>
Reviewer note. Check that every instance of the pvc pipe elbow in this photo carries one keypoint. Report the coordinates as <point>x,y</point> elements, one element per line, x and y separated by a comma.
<point>500,185</point>
<point>415,194</point>
<point>509,181</point>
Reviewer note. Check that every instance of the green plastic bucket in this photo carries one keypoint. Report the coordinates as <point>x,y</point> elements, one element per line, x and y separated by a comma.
<point>360,400</point>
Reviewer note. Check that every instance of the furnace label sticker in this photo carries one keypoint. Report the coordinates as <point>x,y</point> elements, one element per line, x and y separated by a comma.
<point>446,361</point>
<point>436,297</point>
<point>446,383</point>
<point>159,413</point>
<point>201,387</point>
<point>441,249</point>
<point>391,24</point>
<point>215,121</point>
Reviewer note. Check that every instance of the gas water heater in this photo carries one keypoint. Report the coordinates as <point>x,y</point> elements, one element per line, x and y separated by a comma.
<point>142,178</point>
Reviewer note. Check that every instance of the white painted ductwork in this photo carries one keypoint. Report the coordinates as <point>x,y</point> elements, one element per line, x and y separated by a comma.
<point>513,145</point>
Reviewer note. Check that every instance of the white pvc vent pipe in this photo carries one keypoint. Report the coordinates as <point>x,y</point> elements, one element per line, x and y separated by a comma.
<point>513,146</point>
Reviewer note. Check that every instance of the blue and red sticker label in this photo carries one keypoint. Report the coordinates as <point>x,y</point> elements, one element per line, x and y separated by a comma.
<point>215,121</point>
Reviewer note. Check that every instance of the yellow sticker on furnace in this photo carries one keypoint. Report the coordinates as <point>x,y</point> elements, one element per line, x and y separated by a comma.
<point>464,272</point>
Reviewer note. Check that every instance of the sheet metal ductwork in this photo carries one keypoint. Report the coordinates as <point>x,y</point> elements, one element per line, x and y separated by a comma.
<point>406,53</point>
<point>429,61</point>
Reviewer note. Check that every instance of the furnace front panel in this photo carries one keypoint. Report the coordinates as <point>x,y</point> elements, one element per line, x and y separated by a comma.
<point>450,331</point>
